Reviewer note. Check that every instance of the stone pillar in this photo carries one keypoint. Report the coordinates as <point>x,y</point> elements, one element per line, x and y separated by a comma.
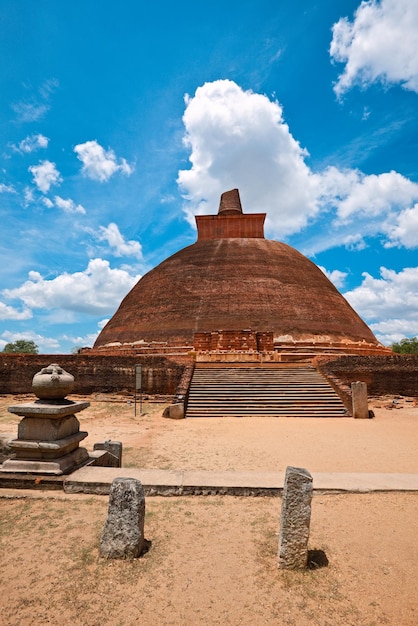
<point>359,399</point>
<point>123,533</point>
<point>295,519</point>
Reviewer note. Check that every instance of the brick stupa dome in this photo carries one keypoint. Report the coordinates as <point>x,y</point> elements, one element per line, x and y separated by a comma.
<point>233,278</point>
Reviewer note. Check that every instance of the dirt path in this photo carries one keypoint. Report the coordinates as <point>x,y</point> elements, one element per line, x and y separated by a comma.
<point>213,559</point>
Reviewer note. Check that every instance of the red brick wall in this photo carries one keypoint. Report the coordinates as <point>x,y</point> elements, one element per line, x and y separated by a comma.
<point>230,226</point>
<point>394,374</point>
<point>94,373</point>
<point>202,341</point>
<point>265,342</point>
<point>234,340</point>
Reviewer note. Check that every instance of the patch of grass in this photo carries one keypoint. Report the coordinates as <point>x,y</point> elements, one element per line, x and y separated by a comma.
<point>86,555</point>
<point>11,518</point>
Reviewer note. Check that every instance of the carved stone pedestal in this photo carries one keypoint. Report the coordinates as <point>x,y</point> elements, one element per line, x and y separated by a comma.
<point>48,438</point>
<point>49,435</point>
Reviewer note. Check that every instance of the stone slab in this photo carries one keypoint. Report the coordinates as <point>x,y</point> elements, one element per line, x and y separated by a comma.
<point>36,450</point>
<point>364,482</point>
<point>97,480</point>
<point>56,467</point>
<point>59,444</point>
<point>239,483</point>
<point>41,408</point>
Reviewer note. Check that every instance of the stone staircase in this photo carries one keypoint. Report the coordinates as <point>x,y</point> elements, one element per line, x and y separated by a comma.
<point>291,391</point>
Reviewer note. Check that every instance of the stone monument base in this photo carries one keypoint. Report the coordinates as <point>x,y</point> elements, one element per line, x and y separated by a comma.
<point>48,438</point>
<point>63,465</point>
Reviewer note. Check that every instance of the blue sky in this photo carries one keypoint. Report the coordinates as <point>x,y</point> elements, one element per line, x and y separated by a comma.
<point>120,121</point>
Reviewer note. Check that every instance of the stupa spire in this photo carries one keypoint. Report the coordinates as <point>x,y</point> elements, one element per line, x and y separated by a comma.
<point>230,221</point>
<point>230,203</point>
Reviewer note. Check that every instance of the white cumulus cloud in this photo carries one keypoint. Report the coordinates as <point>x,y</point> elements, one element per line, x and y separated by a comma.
<point>380,44</point>
<point>7,188</point>
<point>69,206</point>
<point>96,291</point>
<point>405,230</point>
<point>47,202</point>
<point>335,276</point>
<point>29,196</point>
<point>11,313</point>
<point>45,175</point>
<point>100,164</point>
<point>352,192</point>
<point>32,143</point>
<point>389,303</point>
<point>45,344</point>
<point>81,341</point>
<point>354,242</point>
<point>393,330</point>
<point>239,139</point>
<point>119,245</point>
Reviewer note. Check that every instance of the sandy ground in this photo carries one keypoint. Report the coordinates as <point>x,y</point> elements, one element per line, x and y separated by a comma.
<point>387,443</point>
<point>213,560</point>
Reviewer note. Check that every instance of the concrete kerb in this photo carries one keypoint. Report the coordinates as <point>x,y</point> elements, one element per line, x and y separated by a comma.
<point>190,482</point>
<point>97,480</point>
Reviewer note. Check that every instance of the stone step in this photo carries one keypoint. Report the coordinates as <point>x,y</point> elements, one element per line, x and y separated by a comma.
<point>258,381</point>
<point>290,413</point>
<point>248,396</point>
<point>238,391</point>
<point>230,388</point>
<point>253,376</point>
<point>260,399</point>
<point>262,407</point>
<point>254,406</point>
<point>258,378</point>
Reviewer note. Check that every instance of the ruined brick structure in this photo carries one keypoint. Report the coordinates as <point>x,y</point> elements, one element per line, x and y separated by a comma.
<point>392,374</point>
<point>95,373</point>
<point>233,340</point>
<point>231,296</point>
<point>234,290</point>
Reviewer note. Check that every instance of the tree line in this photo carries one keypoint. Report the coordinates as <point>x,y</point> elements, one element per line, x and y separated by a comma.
<point>409,345</point>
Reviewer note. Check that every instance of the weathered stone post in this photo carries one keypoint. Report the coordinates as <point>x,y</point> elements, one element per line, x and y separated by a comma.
<point>295,519</point>
<point>123,532</point>
<point>359,399</point>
